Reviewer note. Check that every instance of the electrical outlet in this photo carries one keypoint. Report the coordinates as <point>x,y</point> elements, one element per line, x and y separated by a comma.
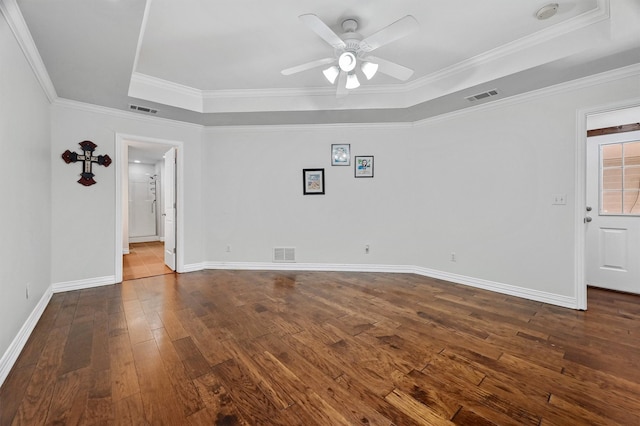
<point>559,199</point>
<point>453,257</point>
<point>366,249</point>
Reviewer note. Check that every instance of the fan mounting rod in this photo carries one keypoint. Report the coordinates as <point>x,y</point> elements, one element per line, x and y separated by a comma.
<point>349,25</point>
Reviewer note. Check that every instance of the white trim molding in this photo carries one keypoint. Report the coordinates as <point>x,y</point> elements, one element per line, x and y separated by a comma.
<point>13,15</point>
<point>82,284</point>
<point>496,287</point>
<point>122,142</point>
<point>147,239</point>
<point>551,43</point>
<point>580,193</point>
<point>192,267</point>
<point>10,356</point>
<point>118,113</point>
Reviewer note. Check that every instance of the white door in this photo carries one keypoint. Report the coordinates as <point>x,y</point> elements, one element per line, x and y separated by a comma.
<point>612,218</point>
<point>170,208</point>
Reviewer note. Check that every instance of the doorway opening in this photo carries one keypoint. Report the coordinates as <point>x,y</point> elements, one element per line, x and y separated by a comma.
<point>586,245</point>
<point>148,197</point>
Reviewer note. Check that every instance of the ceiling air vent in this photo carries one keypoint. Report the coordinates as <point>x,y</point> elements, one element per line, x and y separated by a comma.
<point>143,109</point>
<point>483,95</point>
<point>284,254</point>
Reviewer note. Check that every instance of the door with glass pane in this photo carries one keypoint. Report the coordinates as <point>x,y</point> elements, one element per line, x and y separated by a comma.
<point>613,212</point>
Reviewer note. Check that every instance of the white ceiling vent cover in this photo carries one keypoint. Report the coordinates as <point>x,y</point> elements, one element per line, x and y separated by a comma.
<point>483,95</point>
<point>143,109</point>
<point>284,254</point>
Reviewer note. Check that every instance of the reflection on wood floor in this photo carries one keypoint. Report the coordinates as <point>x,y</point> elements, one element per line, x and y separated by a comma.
<point>323,348</point>
<point>144,260</point>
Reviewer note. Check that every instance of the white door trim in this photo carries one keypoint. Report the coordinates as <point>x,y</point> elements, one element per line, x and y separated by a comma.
<point>120,151</point>
<point>581,192</point>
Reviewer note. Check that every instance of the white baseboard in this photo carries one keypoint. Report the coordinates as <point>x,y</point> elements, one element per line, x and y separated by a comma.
<point>144,239</point>
<point>284,266</point>
<point>193,267</point>
<point>525,293</point>
<point>10,356</point>
<point>82,284</point>
<point>511,290</point>
<point>125,250</point>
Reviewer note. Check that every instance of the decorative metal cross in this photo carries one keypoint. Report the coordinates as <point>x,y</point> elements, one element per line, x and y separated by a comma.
<point>88,159</point>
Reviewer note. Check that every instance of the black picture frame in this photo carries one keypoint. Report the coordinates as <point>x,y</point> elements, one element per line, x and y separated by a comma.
<point>313,181</point>
<point>363,166</point>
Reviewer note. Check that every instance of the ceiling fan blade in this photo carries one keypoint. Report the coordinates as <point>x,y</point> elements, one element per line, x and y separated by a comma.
<point>307,66</point>
<point>391,68</point>
<point>342,85</point>
<point>320,28</point>
<point>397,30</point>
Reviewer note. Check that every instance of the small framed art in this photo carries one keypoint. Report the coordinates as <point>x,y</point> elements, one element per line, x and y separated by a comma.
<point>364,166</point>
<point>313,181</point>
<point>340,154</point>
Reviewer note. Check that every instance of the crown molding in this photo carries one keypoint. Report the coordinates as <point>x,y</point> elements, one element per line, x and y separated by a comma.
<point>86,107</point>
<point>609,76</point>
<point>526,52</point>
<point>165,92</point>
<point>593,80</point>
<point>13,15</point>
<point>274,128</point>
<point>600,13</point>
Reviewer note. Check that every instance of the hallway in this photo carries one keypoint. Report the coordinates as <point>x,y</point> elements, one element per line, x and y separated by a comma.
<point>144,260</point>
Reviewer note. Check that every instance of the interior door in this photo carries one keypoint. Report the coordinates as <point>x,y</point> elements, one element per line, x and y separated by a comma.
<point>170,208</point>
<point>612,218</point>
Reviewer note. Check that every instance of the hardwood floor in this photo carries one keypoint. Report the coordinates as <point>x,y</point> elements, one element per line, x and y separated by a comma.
<point>144,260</point>
<point>250,348</point>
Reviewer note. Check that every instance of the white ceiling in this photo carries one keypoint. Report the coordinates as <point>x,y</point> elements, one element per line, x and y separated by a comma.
<point>219,63</point>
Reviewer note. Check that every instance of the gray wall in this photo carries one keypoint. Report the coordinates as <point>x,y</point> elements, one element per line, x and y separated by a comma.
<point>25,190</point>
<point>478,183</point>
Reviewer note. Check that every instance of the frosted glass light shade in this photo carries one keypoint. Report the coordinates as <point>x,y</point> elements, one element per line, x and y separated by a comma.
<point>369,69</point>
<point>331,73</point>
<point>347,61</point>
<point>352,81</point>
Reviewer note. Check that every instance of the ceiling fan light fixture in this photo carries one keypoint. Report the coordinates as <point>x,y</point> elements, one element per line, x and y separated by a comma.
<point>347,61</point>
<point>331,73</point>
<point>369,69</point>
<point>352,81</point>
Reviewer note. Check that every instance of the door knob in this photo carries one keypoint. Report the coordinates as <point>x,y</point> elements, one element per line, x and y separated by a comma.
<point>587,219</point>
<point>589,208</point>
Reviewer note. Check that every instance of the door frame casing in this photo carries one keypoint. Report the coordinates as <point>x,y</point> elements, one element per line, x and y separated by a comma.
<point>120,150</point>
<point>580,194</point>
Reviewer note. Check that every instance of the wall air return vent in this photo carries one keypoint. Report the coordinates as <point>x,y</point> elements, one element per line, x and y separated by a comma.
<point>143,109</point>
<point>483,95</point>
<point>284,254</point>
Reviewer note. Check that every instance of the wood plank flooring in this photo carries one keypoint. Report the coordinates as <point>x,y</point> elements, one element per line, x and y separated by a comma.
<point>318,348</point>
<point>144,260</point>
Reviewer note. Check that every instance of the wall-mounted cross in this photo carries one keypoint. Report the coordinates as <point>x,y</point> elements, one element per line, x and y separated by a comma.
<point>88,159</point>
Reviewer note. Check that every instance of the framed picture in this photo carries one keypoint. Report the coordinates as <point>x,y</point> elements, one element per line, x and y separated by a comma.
<point>313,181</point>
<point>364,166</point>
<point>340,154</point>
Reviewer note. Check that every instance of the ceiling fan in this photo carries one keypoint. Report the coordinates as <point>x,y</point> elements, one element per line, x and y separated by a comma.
<point>351,51</point>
